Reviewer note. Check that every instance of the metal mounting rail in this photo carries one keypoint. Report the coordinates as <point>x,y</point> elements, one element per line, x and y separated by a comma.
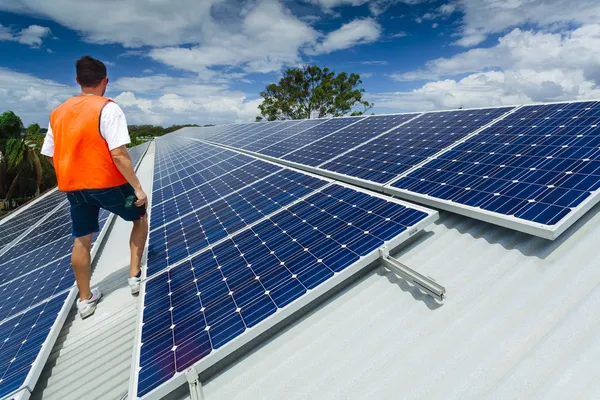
<point>424,283</point>
<point>194,383</point>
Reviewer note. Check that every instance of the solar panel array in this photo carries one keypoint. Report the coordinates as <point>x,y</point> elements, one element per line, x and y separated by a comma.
<point>236,249</point>
<point>531,168</point>
<point>36,285</point>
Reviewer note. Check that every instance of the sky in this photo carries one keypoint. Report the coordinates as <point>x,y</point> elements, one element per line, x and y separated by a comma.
<point>206,62</point>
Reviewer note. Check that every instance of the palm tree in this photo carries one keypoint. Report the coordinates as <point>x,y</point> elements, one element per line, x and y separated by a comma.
<point>18,151</point>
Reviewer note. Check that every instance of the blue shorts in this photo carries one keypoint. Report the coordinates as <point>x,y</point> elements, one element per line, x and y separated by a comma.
<point>86,205</point>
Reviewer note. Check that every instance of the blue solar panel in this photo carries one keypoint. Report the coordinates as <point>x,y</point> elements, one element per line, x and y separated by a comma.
<point>337,143</point>
<point>266,129</point>
<point>21,340</point>
<point>537,164</point>
<point>386,157</point>
<point>37,286</point>
<point>209,300</point>
<point>263,143</point>
<point>186,235</point>
<point>307,136</point>
<point>16,226</point>
<point>230,163</point>
<point>242,130</point>
<point>193,197</point>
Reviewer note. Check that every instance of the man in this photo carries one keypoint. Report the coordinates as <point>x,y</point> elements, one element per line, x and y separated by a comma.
<point>86,143</point>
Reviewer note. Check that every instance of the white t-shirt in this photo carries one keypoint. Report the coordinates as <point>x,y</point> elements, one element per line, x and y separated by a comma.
<point>113,128</point>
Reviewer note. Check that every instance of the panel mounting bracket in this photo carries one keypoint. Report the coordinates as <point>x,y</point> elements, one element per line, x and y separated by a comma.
<point>423,282</point>
<point>195,385</point>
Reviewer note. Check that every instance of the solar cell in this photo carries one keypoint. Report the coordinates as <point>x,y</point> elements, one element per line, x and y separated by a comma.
<point>22,340</point>
<point>228,294</point>
<point>268,130</point>
<point>15,226</point>
<point>185,235</point>
<point>37,286</point>
<point>537,165</point>
<point>395,152</point>
<point>192,197</point>
<point>308,136</point>
<point>241,130</point>
<point>337,143</point>
<point>262,144</point>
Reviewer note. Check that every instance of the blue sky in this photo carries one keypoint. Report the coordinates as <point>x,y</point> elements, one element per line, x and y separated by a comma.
<point>206,62</point>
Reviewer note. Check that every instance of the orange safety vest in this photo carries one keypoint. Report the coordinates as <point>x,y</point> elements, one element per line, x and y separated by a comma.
<point>82,159</point>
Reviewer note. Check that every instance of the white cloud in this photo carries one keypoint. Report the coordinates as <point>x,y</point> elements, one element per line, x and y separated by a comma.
<point>366,75</point>
<point>353,33</point>
<point>162,99</point>
<point>374,62</point>
<point>131,23</point>
<point>268,38</point>
<point>484,17</point>
<point>399,35</point>
<point>31,98</point>
<point>148,71</point>
<point>576,50</point>
<point>491,89</point>
<point>376,7</point>
<point>434,25</point>
<point>523,67</point>
<point>32,36</point>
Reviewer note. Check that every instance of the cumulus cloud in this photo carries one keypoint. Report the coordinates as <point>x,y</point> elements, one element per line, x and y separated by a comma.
<point>576,50</point>
<point>30,97</point>
<point>376,7</point>
<point>131,23</point>
<point>484,17</point>
<point>359,31</point>
<point>163,99</point>
<point>524,66</point>
<point>492,89</point>
<point>32,36</point>
<point>268,38</point>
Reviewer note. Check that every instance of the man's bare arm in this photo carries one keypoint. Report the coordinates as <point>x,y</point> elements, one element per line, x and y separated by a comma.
<point>50,160</point>
<point>123,162</point>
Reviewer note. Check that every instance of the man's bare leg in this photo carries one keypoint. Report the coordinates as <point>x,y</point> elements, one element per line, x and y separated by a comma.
<point>137,242</point>
<point>82,268</point>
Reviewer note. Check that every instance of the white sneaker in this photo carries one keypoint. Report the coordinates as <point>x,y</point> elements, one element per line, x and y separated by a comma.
<point>134,284</point>
<point>87,307</point>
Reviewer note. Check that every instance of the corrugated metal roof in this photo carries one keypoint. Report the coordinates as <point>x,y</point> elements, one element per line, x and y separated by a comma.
<point>520,321</point>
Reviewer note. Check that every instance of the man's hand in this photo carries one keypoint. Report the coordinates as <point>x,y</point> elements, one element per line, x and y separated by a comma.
<point>142,199</point>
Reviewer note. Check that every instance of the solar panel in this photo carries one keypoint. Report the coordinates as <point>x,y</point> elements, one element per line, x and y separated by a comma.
<point>16,225</point>
<point>268,130</point>
<point>240,131</point>
<point>308,136</point>
<point>383,159</point>
<point>28,290</point>
<point>212,303</point>
<point>333,145</point>
<point>537,170</point>
<point>264,143</point>
<point>26,342</point>
<point>186,234</point>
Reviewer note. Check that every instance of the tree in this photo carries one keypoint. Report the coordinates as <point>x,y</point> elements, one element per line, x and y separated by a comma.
<point>309,92</point>
<point>34,131</point>
<point>20,154</point>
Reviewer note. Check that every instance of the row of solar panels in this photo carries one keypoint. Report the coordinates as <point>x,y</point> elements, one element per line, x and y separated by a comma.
<point>533,168</point>
<point>237,244</point>
<point>36,285</point>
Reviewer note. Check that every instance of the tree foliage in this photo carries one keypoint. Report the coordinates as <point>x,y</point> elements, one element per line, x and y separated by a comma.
<point>312,92</point>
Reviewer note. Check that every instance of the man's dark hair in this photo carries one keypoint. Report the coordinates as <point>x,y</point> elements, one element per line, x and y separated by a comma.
<point>90,71</point>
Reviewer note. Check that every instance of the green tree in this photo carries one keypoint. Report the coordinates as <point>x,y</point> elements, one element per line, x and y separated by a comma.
<point>20,155</point>
<point>34,131</point>
<point>310,91</point>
